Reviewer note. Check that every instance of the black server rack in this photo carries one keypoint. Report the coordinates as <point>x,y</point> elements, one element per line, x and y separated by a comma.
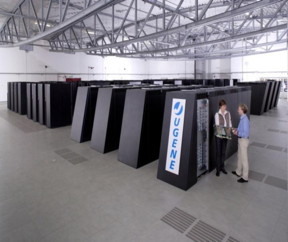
<point>74,88</point>
<point>35,109</point>
<point>219,83</point>
<point>41,103</point>
<point>183,141</point>
<point>273,95</point>
<point>9,96</point>
<point>169,82</point>
<point>29,100</point>
<point>12,96</point>
<point>279,83</point>
<point>58,103</point>
<point>226,82</point>
<point>235,82</point>
<point>108,119</point>
<point>176,118</point>
<point>82,123</point>
<point>15,97</point>
<point>22,98</point>
<point>142,125</point>
<point>258,97</point>
<point>269,95</point>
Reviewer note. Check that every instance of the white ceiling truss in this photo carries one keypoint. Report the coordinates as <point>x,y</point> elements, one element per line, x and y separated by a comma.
<point>192,29</point>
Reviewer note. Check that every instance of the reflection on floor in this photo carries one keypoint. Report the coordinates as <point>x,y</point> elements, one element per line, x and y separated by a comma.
<point>53,189</point>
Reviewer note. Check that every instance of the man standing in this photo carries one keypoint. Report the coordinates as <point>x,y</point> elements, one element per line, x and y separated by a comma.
<point>243,133</point>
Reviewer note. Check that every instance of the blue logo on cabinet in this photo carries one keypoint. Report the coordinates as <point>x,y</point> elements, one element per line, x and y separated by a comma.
<point>175,136</point>
<point>178,108</point>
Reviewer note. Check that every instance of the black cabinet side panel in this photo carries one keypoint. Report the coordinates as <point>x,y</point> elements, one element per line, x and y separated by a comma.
<point>131,127</point>
<point>101,119</point>
<point>79,114</point>
<point>29,100</point>
<point>41,104</point>
<point>22,98</point>
<point>35,102</point>
<point>269,96</point>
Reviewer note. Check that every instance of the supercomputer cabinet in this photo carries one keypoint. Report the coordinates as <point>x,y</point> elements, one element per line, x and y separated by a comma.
<point>15,96</point>
<point>188,141</point>
<point>274,94</point>
<point>35,116</point>
<point>9,103</point>
<point>269,95</point>
<point>142,125</point>
<point>22,98</point>
<point>258,97</point>
<point>82,122</point>
<point>41,103</point>
<point>108,119</point>
<point>29,100</point>
<point>279,83</point>
<point>178,163</point>
<point>58,102</point>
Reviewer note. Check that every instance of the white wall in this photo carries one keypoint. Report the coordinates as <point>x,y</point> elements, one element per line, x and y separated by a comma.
<point>16,65</point>
<point>264,66</point>
<point>166,69</point>
<point>214,69</point>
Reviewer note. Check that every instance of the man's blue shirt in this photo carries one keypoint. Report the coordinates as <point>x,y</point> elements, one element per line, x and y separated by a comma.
<point>244,127</point>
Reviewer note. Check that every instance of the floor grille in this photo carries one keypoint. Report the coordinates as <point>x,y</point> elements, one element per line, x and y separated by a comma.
<point>276,182</point>
<point>204,232</point>
<point>273,147</point>
<point>273,130</point>
<point>257,176</point>
<point>178,219</point>
<point>257,144</point>
<point>197,230</point>
<point>231,239</point>
<point>283,121</point>
<point>70,156</point>
<point>267,146</point>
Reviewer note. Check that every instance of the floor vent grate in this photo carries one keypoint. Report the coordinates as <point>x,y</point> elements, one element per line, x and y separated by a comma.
<point>256,144</point>
<point>70,156</point>
<point>204,232</point>
<point>273,130</point>
<point>179,219</point>
<point>257,176</point>
<point>273,147</point>
<point>231,239</point>
<point>276,182</point>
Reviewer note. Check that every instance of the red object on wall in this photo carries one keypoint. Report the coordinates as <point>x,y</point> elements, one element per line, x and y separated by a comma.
<point>73,79</point>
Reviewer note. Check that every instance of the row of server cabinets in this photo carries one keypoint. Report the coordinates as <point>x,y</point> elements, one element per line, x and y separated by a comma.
<point>50,104</point>
<point>136,120</point>
<point>205,82</point>
<point>265,95</point>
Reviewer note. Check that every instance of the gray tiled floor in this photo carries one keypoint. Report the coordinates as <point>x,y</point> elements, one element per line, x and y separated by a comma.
<point>43,198</point>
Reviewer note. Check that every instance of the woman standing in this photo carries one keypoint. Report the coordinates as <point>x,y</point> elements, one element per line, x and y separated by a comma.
<point>223,127</point>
